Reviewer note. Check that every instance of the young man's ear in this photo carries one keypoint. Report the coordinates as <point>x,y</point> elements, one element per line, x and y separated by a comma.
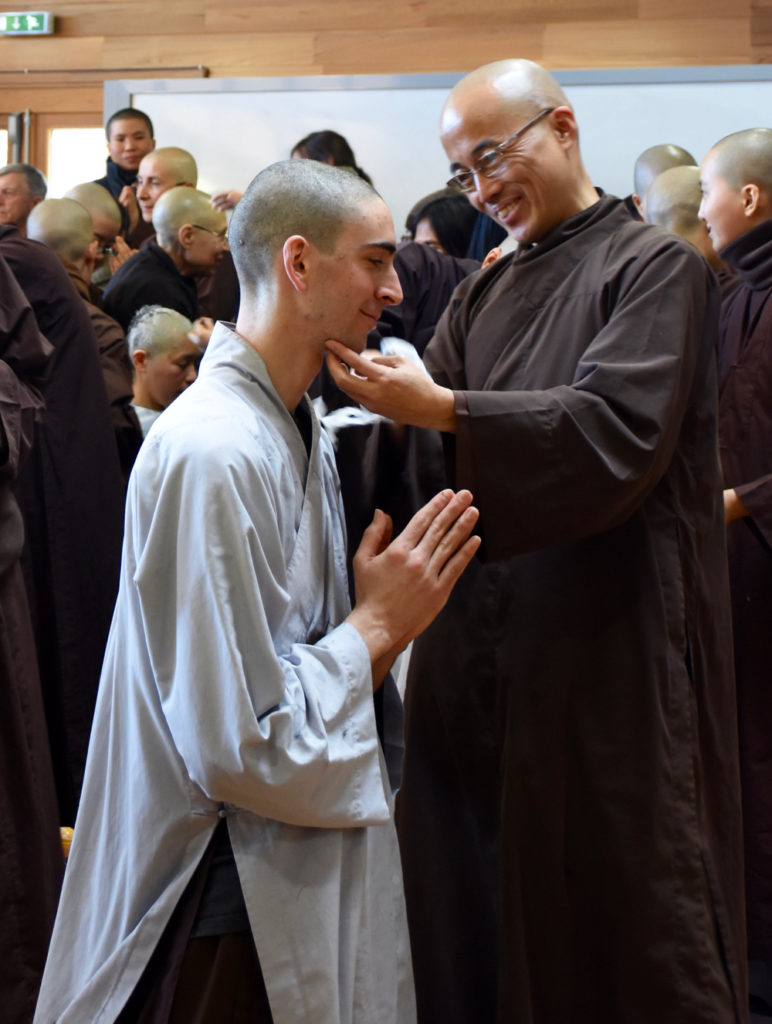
<point>295,259</point>
<point>140,358</point>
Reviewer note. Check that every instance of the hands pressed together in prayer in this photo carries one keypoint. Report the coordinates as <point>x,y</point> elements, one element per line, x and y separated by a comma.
<point>123,252</point>
<point>402,584</point>
<point>392,386</point>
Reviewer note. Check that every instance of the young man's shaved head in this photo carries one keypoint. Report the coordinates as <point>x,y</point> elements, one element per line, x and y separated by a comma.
<point>292,197</point>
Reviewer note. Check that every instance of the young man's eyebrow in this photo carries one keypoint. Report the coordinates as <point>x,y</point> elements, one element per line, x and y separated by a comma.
<point>387,246</point>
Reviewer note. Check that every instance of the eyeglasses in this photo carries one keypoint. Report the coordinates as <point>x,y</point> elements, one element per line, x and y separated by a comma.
<point>222,235</point>
<point>493,161</point>
<point>106,247</point>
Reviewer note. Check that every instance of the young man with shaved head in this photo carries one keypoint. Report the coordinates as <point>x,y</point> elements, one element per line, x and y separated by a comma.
<point>235,858</point>
<point>737,207</point>
<point>569,816</point>
<point>190,240</point>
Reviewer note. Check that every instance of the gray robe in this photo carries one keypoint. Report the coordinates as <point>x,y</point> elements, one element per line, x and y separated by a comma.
<point>232,688</point>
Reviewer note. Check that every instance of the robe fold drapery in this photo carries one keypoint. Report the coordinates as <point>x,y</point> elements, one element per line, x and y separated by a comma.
<point>745,431</point>
<point>569,816</point>
<point>233,688</point>
<point>30,852</point>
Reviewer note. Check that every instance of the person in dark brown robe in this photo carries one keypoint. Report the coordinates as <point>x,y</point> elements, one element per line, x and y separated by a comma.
<point>66,227</point>
<point>70,492</point>
<point>30,852</point>
<point>569,816</point>
<point>737,206</point>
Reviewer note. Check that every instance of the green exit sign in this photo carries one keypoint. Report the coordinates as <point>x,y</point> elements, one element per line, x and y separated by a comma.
<point>27,23</point>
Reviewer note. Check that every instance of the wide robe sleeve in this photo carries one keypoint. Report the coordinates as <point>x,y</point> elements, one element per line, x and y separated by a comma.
<point>551,465</point>
<point>265,717</point>
<point>24,354</point>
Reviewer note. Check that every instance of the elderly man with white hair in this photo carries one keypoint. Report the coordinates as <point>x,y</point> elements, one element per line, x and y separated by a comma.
<point>190,240</point>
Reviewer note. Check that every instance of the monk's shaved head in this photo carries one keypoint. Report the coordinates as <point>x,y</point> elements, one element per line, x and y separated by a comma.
<point>656,159</point>
<point>292,197</point>
<point>64,226</point>
<point>178,163</point>
<point>181,206</point>
<point>513,144</point>
<point>745,158</point>
<point>673,202</point>
<point>103,208</point>
<point>97,200</point>
<point>673,199</point>
<point>516,87</point>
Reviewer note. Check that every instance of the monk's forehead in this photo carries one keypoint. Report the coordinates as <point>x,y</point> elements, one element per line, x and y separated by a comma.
<point>481,110</point>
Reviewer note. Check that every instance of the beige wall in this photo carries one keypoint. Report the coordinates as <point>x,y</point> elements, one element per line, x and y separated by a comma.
<point>99,39</point>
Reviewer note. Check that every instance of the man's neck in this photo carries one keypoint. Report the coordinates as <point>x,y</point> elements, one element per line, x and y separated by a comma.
<point>290,367</point>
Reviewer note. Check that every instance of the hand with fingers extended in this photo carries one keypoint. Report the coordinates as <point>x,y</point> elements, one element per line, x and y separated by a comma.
<point>402,584</point>
<point>392,386</point>
<point>128,201</point>
<point>226,199</point>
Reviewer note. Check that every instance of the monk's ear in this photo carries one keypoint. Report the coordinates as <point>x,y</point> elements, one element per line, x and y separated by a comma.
<point>185,235</point>
<point>296,254</point>
<point>751,196</point>
<point>564,124</point>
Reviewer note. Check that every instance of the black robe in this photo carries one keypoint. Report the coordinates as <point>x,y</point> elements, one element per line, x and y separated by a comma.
<point>745,431</point>
<point>30,852</point>
<point>149,278</point>
<point>70,492</point>
<point>569,816</point>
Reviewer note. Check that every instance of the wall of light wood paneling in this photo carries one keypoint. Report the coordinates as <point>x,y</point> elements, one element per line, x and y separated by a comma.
<point>98,39</point>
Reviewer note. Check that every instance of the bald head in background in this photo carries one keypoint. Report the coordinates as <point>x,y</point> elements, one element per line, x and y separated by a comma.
<point>190,230</point>
<point>673,202</point>
<point>161,170</point>
<point>64,226</point>
<point>105,217</point>
<point>651,163</point>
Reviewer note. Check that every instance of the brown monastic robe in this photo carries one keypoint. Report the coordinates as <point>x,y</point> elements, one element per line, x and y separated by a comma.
<point>30,852</point>
<point>117,372</point>
<point>569,817</point>
<point>71,495</point>
<point>745,431</point>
